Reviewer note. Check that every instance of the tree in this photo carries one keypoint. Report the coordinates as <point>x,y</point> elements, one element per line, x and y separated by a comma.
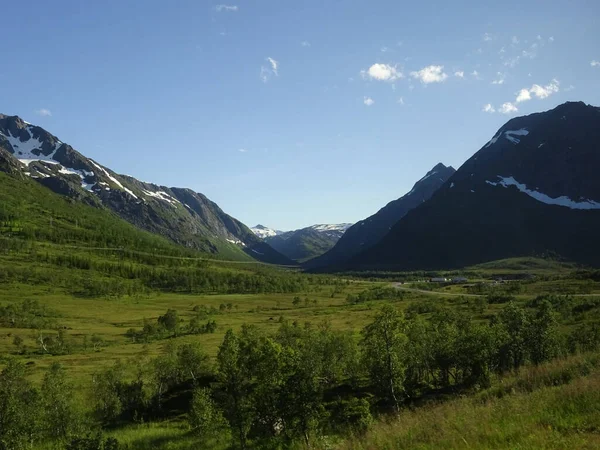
<point>19,411</point>
<point>233,377</point>
<point>205,418</point>
<point>543,338</point>
<point>384,345</point>
<point>170,321</point>
<point>57,408</point>
<point>192,362</point>
<point>108,385</point>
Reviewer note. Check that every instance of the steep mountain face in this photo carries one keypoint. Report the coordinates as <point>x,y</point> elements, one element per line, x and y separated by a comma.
<point>366,233</point>
<point>264,232</point>
<point>532,190</point>
<point>306,243</point>
<point>182,215</point>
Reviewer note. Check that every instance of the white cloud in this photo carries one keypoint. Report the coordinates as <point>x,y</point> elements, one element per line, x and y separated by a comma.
<point>384,49</point>
<point>502,50</point>
<point>305,44</point>
<point>459,74</point>
<point>595,63</point>
<point>551,39</point>
<point>538,91</point>
<point>401,100</point>
<point>523,95</point>
<point>267,72</point>
<point>242,150</point>
<point>430,74</point>
<point>487,37</point>
<point>381,72</point>
<point>226,8</point>
<point>274,65</point>
<point>43,112</point>
<point>368,101</point>
<point>507,108</point>
<point>545,91</point>
<point>514,40</point>
<point>475,75</point>
<point>488,108</point>
<point>500,78</point>
<point>570,88</point>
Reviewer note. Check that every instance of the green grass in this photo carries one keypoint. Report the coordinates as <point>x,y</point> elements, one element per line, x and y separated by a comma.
<point>538,408</point>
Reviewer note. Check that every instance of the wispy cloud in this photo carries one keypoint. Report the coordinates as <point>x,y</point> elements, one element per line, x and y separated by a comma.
<point>381,72</point>
<point>487,37</point>
<point>569,88</point>
<point>384,49</point>
<point>368,101</point>
<point>538,91</point>
<point>489,108</point>
<point>227,8</point>
<point>500,77</point>
<point>430,74</point>
<point>595,63</point>
<point>514,40</point>
<point>43,112</point>
<point>242,150</point>
<point>551,39</point>
<point>305,44</point>
<point>508,108</point>
<point>266,72</point>
<point>459,74</point>
<point>475,75</point>
<point>401,100</point>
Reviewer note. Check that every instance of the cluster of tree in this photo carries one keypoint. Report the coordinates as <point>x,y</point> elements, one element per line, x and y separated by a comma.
<point>171,325</point>
<point>272,390</point>
<point>376,293</point>
<point>26,314</point>
<point>269,391</point>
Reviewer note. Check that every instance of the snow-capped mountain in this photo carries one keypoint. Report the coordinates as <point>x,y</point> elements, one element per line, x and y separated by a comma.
<point>369,231</point>
<point>264,232</point>
<point>532,190</point>
<point>305,243</point>
<point>185,216</point>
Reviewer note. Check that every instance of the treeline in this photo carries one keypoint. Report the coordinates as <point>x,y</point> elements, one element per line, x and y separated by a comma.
<point>303,382</point>
<point>94,277</point>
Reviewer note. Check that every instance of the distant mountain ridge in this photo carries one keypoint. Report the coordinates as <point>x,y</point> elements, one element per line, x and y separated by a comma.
<point>532,190</point>
<point>305,243</point>
<point>366,233</point>
<point>184,216</point>
<point>264,232</point>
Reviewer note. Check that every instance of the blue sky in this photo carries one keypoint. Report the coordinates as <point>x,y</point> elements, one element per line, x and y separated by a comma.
<point>292,113</point>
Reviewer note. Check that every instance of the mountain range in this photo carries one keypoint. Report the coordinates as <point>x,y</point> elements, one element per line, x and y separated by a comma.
<point>182,215</point>
<point>305,243</point>
<point>532,190</point>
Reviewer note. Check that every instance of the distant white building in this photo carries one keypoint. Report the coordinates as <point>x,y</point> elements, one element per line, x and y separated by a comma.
<point>439,280</point>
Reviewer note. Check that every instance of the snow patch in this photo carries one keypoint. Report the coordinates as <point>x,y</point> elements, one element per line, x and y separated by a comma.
<point>162,195</point>
<point>510,135</point>
<point>113,179</point>
<point>451,185</point>
<point>541,197</point>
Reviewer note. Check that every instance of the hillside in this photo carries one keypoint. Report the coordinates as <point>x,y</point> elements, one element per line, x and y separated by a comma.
<point>532,190</point>
<point>366,233</point>
<point>181,215</point>
<point>307,243</point>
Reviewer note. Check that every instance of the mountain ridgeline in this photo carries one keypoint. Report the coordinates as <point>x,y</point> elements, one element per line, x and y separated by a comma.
<point>185,217</point>
<point>305,243</point>
<point>366,233</point>
<point>532,190</point>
